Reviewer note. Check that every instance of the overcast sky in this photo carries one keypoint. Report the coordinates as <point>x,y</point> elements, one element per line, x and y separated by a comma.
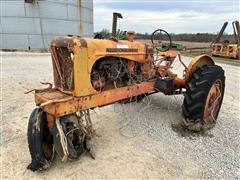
<point>175,16</point>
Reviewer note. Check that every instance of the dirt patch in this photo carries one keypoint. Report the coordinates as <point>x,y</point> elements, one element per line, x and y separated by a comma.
<point>182,131</point>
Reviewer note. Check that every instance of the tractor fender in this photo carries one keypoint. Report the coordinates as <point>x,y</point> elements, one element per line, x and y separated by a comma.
<point>196,63</point>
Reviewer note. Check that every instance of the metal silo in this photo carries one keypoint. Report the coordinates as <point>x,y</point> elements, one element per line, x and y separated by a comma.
<point>31,24</point>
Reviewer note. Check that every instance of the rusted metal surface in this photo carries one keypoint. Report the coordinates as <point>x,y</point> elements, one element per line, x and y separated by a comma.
<point>50,86</point>
<point>148,70</point>
<point>196,63</point>
<point>49,95</point>
<point>73,104</point>
<point>180,59</point>
<point>63,42</point>
<point>131,35</point>
<point>131,67</point>
<point>114,24</point>
<point>83,43</point>
<point>84,54</point>
<point>63,68</point>
<point>90,73</point>
<point>51,121</point>
<point>213,102</point>
<point>170,53</point>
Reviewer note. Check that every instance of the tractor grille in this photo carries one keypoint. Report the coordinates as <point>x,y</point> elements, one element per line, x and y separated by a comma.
<point>62,68</point>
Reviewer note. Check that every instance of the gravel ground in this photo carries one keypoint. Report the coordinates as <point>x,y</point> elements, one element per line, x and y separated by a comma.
<point>137,140</point>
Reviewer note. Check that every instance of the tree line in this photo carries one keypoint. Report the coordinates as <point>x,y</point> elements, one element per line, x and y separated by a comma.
<point>192,37</point>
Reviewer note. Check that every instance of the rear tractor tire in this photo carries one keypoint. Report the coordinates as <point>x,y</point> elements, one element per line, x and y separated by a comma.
<point>40,141</point>
<point>203,98</point>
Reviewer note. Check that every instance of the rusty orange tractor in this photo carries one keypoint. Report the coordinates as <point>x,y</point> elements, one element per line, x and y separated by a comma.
<point>90,73</point>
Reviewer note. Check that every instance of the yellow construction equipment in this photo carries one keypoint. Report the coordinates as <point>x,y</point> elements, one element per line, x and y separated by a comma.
<point>227,49</point>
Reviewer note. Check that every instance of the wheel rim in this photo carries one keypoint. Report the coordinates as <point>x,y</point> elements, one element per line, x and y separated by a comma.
<point>213,102</point>
<point>75,142</point>
<point>75,130</point>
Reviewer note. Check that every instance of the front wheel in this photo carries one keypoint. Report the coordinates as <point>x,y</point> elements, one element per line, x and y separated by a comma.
<point>40,141</point>
<point>203,97</point>
<point>70,137</point>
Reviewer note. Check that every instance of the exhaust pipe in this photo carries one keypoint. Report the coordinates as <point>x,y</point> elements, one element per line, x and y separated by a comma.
<point>114,24</point>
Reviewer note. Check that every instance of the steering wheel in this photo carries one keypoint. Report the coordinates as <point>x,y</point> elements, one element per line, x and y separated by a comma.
<point>161,40</point>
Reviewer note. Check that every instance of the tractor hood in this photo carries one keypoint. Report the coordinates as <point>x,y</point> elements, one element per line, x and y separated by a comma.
<point>103,47</point>
<point>72,55</point>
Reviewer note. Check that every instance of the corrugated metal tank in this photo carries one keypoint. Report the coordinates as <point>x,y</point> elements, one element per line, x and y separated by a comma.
<point>33,25</point>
